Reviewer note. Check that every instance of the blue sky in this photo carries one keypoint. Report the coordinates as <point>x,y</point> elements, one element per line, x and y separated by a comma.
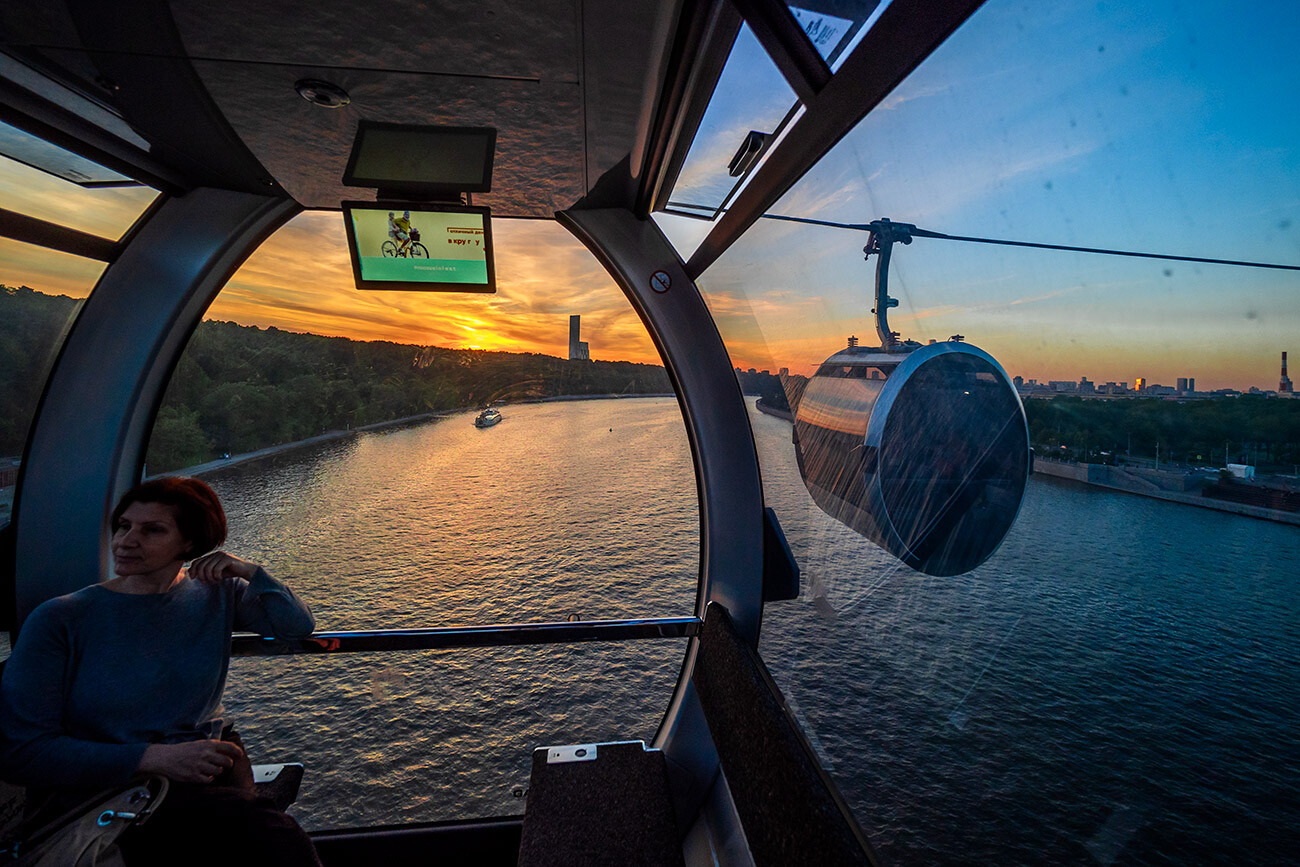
<point>1169,127</point>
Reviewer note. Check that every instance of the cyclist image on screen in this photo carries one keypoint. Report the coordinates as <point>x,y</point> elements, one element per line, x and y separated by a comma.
<point>404,239</point>
<point>399,229</point>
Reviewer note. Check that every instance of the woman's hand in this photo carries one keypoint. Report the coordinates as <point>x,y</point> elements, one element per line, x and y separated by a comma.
<point>211,568</point>
<point>189,762</point>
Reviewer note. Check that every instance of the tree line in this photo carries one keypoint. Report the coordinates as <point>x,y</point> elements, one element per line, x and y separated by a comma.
<point>238,388</point>
<point>1250,428</point>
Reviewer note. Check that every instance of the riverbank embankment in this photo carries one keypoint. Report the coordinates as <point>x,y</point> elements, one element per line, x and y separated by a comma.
<point>1171,486</point>
<point>328,436</point>
<point>771,410</point>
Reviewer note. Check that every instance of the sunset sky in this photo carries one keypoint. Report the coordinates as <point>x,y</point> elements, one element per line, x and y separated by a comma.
<point>1171,129</point>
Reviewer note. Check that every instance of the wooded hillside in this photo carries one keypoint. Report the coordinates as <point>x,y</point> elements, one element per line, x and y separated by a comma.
<point>238,388</point>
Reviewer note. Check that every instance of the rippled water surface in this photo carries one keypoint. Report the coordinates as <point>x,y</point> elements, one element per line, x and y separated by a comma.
<point>1119,684</point>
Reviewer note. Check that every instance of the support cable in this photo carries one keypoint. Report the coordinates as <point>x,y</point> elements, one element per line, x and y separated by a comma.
<point>926,233</point>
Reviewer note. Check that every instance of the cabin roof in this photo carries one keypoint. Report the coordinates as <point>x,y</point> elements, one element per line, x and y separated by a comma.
<point>567,85</point>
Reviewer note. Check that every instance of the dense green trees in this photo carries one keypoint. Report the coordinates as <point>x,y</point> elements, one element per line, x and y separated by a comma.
<point>239,388</point>
<point>1253,428</point>
<point>31,330</point>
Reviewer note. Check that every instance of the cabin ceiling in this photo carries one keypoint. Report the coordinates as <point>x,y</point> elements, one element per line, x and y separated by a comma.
<point>563,81</point>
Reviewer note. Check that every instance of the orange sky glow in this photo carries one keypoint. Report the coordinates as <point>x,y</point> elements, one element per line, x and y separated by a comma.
<point>301,280</point>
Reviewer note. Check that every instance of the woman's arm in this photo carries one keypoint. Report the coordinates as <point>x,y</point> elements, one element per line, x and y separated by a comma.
<point>262,604</point>
<point>189,762</point>
<point>34,748</point>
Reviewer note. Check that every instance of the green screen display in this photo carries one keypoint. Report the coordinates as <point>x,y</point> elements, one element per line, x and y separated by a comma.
<point>414,248</point>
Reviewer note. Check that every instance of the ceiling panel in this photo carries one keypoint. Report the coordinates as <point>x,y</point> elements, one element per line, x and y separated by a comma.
<point>533,39</point>
<point>539,164</point>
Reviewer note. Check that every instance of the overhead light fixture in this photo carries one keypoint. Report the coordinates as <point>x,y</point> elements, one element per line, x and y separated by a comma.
<point>322,93</point>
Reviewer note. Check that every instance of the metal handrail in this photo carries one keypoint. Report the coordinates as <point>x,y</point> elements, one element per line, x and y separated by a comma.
<point>450,637</point>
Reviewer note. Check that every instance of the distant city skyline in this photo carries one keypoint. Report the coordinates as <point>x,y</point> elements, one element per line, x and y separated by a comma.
<point>1181,384</point>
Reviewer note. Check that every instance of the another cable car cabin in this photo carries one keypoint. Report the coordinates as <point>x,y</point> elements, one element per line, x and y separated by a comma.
<point>924,450</point>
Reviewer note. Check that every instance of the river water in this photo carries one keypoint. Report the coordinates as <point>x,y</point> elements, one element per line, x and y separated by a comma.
<point>1119,683</point>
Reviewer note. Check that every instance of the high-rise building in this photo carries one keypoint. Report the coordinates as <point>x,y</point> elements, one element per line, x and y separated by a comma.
<point>1191,385</point>
<point>1182,384</point>
<point>578,350</point>
<point>1140,384</point>
<point>1284,385</point>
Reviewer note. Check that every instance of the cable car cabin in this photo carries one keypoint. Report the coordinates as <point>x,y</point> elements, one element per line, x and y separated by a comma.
<point>925,452</point>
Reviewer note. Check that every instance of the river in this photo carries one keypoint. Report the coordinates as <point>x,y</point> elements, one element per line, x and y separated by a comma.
<point>1119,683</point>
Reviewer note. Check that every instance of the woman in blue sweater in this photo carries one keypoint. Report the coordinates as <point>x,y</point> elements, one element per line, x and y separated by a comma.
<point>125,677</point>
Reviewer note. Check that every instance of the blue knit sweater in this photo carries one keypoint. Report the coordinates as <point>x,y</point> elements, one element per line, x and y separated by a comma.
<point>97,676</point>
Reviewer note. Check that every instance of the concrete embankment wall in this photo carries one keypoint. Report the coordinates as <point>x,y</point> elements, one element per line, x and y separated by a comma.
<point>771,410</point>
<point>1173,487</point>
<point>1060,470</point>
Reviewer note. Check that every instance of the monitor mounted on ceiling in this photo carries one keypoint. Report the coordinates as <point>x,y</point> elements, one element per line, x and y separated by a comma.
<point>422,246</point>
<point>413,161</point>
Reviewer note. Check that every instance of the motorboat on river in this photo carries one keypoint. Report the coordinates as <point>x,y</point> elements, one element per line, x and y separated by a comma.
<point>487,418</point>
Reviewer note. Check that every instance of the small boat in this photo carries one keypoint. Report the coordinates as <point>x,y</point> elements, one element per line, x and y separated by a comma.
<point>487,418</point>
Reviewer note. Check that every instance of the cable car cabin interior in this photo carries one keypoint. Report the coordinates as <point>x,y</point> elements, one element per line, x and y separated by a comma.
<point>224,123</point>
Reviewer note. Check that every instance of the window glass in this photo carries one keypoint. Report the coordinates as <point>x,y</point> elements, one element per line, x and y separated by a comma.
<point>104,211</point>
<point>1117,682</point>
<point>40,293</point>
<point>342,429</point>
<point>435,735</point>
<point>32,151</point>
<point>751,94</point>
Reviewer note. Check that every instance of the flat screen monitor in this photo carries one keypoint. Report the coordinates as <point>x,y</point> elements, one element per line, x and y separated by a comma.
<point>421,161</point>
<point>426,246</point>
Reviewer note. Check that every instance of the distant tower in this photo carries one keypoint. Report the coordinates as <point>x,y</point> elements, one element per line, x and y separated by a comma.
<point>578,350</point>
<point>1285,384</point>
<point>1140,384</point>
<point>1191,384</point>
<point>1182,384</point>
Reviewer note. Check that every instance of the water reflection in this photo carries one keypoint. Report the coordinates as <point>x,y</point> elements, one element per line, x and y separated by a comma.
<point>1119,682</point>
<point>540,517</point>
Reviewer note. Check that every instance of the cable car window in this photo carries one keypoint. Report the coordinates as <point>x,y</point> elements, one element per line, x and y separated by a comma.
<point>41,292</point>
<point>41,289</point>
<point>1053,696</point>
<point>751,95</point>
<point>106,208</point>
<point>397,738</point>
<point>414,460</point>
